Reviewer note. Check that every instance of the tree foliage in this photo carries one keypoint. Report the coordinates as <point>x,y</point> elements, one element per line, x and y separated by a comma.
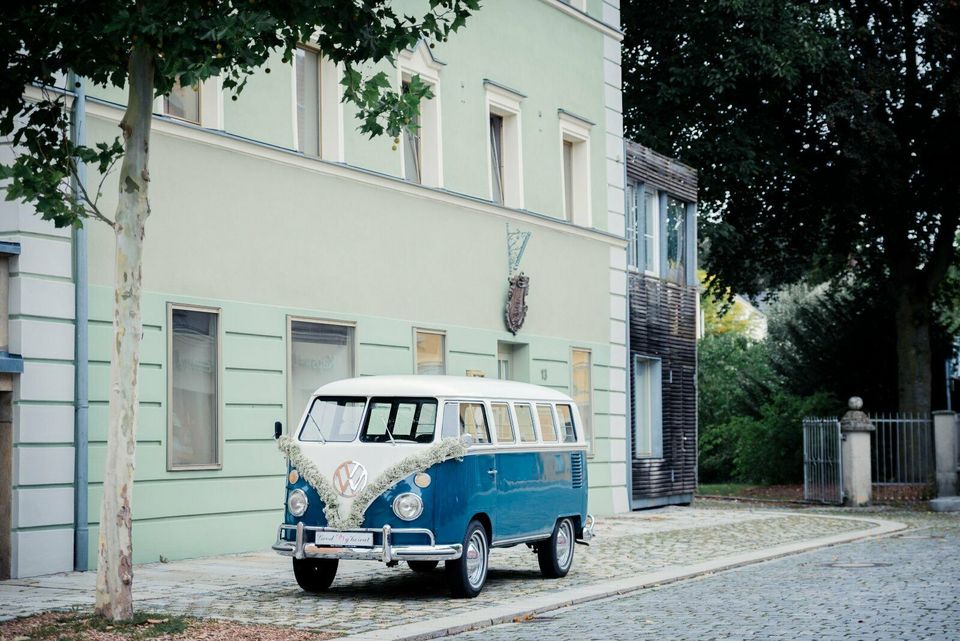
<point>825,135</point>
<point>188,41</point>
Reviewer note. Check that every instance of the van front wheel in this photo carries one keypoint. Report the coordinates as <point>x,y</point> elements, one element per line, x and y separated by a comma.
<point>315,575</point>
<point>555,554</point>
<point>466,575</point>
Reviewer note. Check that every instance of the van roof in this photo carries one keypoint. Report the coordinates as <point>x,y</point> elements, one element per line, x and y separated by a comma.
<point>442,386</point>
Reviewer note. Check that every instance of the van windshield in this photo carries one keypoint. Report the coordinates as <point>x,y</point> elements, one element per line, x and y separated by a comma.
<point>400,420</point>
<point>333,419</point>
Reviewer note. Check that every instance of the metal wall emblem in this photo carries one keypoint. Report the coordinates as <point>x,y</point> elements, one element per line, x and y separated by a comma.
<point>516,310</point>
<point>349,479</point>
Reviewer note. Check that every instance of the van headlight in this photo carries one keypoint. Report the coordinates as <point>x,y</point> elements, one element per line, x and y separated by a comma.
<point>408,506</point>
<point>297,502</point>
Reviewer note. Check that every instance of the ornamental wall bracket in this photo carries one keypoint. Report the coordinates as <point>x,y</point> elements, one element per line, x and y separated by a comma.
<point>516,310</point>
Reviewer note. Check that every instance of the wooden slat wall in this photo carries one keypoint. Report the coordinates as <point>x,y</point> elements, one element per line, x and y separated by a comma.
<point>647,166</point>
<point>663,325</point>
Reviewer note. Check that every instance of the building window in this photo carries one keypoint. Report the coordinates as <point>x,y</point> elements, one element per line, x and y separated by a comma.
<point>430,352</point>
<point>582,391</point>
<point>642,228</point>
<point>307,68</point>
<point>676,223</point>
<point>575,168</point>
<point>496,158</point>
<point>319,353</point>
<point>193,388</point>
<point>503,145</point>
<point>183,103</point>
<point>411,147</point>
<point>648,423</point>
<point>422,157</point>
<point>317,110</point>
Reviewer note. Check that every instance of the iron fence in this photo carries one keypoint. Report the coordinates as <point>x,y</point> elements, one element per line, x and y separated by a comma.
<point>822,460</point>
<point>903,466</point>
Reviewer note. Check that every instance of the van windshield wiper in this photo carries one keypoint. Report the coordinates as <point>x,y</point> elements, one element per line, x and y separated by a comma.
<point>319,430</point>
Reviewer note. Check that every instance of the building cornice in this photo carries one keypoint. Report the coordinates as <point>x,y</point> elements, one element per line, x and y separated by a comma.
<point>586,19</point>
<point>112,112</point>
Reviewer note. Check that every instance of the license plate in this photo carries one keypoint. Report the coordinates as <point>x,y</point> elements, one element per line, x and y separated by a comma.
<point>346,539</point>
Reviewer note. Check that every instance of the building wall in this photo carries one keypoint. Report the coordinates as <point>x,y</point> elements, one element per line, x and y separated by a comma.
<point>243,224</point>
<point>41,313</point>
<point>663,322</point>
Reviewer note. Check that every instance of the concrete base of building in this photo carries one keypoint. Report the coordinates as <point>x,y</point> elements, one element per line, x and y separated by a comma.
<point>946,504</point>
<point>660,501</point>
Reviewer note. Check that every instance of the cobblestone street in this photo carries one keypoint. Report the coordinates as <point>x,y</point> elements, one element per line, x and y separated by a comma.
<point>366,596</point>
<point>904,587</point>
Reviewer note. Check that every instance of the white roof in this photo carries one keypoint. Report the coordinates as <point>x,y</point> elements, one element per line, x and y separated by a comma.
<point>440,386</point>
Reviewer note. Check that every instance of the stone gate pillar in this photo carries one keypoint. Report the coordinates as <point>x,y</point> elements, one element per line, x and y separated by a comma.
<point>855,427</point>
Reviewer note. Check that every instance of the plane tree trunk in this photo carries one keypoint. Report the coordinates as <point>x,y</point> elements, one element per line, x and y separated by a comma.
<point>115,558</point>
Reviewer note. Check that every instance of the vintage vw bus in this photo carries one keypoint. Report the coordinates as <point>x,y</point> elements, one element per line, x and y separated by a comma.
<point>424,469</point>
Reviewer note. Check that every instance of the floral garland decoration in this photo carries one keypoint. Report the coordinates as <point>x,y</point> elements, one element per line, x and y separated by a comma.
<point>437,453</point>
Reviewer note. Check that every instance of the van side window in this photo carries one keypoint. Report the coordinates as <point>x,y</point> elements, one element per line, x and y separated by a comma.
<point>451,421</point>
<point>566,423</point>
<point>502,422</point>
<point>473,421</point>
<point>547,427</point>
<point>525,422</point>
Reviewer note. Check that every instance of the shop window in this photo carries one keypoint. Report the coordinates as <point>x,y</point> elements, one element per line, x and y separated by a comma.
<point>320,353</point>
<point>193,391</point>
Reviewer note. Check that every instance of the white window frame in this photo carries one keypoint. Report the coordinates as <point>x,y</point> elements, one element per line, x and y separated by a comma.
<point>294,414</point>
<point>504,102</point>
<point>331,105</point>
<point>440,332</point>
<point>419,61</point>
<point>655,450</point>
<point>218,465</point>
<point>211,105</point>
<point>576,130</point>
<point>654,231</point>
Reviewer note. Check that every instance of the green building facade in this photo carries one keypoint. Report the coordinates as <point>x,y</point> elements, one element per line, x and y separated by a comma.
<point>285,250</point>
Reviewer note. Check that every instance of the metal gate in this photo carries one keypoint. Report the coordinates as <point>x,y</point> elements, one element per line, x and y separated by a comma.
<point>822,460</point>
<point>903,460</point>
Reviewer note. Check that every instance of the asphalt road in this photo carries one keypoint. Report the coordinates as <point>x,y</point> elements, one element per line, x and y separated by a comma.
<point>905,587</point>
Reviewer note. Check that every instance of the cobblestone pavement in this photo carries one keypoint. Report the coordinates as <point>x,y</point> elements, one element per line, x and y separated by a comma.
<point>259,587</point>
<point>912,593</point>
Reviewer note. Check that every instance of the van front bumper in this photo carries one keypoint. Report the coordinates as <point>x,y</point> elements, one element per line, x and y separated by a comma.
<point>387,552</point>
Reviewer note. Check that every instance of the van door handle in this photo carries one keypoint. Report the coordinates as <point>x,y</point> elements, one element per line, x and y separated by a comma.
<point>492,471</point>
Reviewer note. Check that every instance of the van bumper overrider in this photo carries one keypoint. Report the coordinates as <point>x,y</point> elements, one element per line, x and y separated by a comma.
<point>299,548</point>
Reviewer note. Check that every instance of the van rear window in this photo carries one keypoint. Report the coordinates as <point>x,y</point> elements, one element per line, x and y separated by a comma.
<point>400,420</point>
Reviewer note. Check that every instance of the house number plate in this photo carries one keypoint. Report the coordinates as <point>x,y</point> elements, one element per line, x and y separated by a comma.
<point>346,539</point>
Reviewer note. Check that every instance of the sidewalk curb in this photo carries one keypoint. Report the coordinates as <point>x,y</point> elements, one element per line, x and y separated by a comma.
<point>496,615</point>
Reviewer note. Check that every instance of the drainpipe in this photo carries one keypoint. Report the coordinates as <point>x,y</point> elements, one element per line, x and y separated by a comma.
<point>628,379</point>
<point>81,532</point>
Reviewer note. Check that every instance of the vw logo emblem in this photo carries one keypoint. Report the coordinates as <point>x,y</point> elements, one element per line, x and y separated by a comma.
<point>349,479</point>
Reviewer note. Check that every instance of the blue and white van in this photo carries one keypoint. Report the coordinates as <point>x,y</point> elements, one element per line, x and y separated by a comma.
<point>424,469</point>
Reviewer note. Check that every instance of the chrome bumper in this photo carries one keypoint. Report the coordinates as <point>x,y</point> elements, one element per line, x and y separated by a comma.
<point>386,552</point>
<point>588,528</point>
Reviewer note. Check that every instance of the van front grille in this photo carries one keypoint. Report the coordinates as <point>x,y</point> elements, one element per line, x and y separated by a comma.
<point>576,463</point>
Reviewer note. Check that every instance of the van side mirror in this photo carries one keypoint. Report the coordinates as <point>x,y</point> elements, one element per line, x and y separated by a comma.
<point>467,440</point>
<point>277,429</point>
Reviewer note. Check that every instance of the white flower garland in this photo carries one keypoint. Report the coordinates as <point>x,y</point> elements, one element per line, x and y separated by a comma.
<point>437,453</point>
